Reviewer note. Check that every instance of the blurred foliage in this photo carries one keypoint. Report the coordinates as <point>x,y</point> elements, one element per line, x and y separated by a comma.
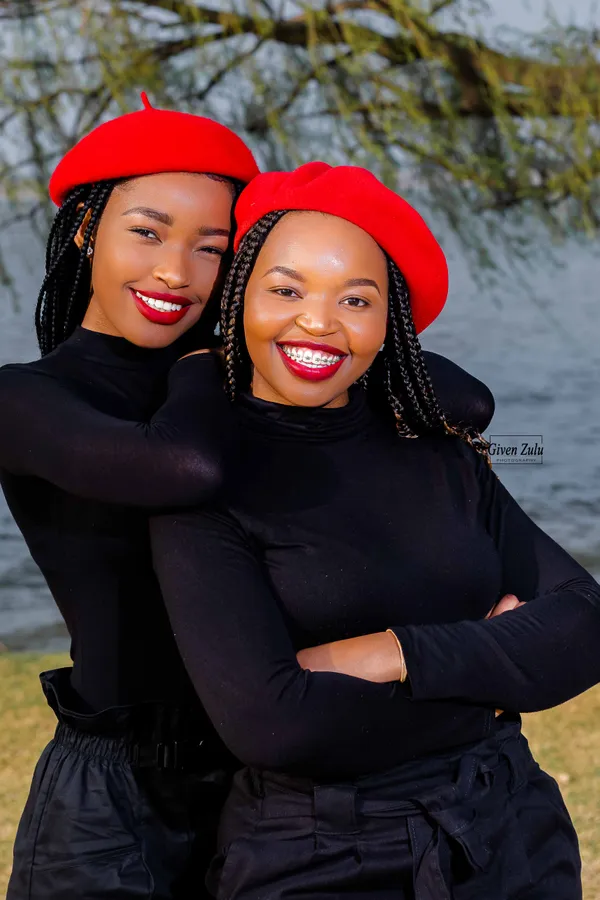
<point>496,138</point>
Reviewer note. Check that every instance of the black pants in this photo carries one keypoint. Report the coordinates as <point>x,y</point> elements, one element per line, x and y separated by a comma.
<point>482,824</point>
<point>124,804</point>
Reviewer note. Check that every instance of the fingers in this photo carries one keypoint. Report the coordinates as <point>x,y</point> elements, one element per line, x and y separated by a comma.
<point>506,604</point>
<point>194,353</point>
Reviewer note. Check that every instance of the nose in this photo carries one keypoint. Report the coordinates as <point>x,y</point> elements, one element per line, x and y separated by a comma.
<point>318,317</point>
<point>173,267</point>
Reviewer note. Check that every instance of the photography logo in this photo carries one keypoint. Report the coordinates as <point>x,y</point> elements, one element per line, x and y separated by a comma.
<point>517,449</point>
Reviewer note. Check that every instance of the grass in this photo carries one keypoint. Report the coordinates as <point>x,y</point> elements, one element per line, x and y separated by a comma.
<point>564,740</point>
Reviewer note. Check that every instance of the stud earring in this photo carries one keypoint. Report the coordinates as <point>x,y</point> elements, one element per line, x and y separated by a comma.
<point>90,251</point>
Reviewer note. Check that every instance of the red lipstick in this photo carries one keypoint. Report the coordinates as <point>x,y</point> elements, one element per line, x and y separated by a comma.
<point>161,316</point>
<point>311,373</point>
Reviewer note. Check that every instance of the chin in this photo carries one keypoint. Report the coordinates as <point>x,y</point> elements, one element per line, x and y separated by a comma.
<point>155,341</point>
<point>153,337</point>
<point>320,395</point>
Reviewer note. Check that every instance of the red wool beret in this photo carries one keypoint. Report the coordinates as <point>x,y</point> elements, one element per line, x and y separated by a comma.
<point>357,195</point>
<point>152,141</point>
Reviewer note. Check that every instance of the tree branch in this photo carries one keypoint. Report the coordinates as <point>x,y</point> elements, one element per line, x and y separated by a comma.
<point>440,5</point>
<point>546,88</point>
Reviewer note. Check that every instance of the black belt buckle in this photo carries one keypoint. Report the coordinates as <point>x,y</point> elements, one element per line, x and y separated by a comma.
<point>181,755</point>
<point>177,755</point>
<point>167,755</point>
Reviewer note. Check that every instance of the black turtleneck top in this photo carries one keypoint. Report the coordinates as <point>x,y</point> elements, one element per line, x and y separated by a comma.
<point>80,470</point>
<point>336,528</point>
<point>84,457</point>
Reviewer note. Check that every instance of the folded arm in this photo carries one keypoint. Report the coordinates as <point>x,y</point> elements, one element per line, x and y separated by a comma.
<point>269,711</point>
<point>541,652</point>
<point>534,657</point>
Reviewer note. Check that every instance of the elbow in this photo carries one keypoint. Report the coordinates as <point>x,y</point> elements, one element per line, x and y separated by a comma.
<point>202,477</point>
<point>278,728</point>
<point>273,743</point>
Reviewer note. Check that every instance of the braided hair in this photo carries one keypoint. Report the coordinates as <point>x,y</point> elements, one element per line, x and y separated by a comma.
<point>65,292</point>
<point>397,383</point>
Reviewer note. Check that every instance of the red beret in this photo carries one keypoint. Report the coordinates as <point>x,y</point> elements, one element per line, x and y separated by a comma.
<point>152,141</point>
<point>355,194</point>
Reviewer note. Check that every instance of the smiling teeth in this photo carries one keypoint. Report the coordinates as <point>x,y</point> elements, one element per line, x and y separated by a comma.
<point>162,305</point>
<point>314,359</point>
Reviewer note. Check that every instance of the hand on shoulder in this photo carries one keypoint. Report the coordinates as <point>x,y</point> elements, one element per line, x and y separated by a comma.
<point>216,351</point>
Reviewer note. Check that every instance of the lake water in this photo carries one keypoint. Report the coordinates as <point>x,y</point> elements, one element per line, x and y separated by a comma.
<point>539,352</point>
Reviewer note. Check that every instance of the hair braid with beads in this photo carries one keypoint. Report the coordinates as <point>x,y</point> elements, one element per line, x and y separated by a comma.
<point>397,382</point>
<point>65,292</point>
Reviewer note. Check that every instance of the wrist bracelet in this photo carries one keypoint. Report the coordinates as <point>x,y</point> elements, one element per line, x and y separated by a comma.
<point>403,670</point>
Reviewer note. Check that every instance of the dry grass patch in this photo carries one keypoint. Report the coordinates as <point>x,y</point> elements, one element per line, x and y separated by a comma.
<point>26,726</point>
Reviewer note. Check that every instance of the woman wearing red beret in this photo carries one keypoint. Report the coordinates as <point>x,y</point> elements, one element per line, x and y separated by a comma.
<point>123,802</point>
<point>376,766</point>
<point>125,798</point>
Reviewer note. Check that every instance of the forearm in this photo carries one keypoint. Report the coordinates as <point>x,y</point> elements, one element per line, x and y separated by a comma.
<point>329,725</point>
<point>537,656</point>
<point>241,661</point>
<point>374,657</point>
<point>175,459</point>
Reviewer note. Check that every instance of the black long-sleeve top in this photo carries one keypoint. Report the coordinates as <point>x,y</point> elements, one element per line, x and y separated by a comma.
<point>337,528</point>
<point>85,456</point>
<point>83,461</point>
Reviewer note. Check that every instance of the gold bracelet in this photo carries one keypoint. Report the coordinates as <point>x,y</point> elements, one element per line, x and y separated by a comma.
<point>403,670</point>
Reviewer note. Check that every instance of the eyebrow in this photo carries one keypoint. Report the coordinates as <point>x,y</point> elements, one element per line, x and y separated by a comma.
<point>362,282</point>
<point>209,231</point>
<point>166,219</point>
<point>284,270</point>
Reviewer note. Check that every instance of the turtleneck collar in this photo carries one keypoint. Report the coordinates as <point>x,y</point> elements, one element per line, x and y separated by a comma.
<point>306,423</point>
<point>117,351</point>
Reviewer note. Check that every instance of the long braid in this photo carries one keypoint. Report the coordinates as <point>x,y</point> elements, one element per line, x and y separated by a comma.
<point>409,389</point>
<point>64,228</point>
<point>237,362</point>
<point>405,336</point>
<point>65,290</point>
<point>397,382</point>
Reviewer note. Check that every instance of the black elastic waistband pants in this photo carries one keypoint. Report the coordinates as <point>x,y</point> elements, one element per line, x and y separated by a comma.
<point>111,817</point>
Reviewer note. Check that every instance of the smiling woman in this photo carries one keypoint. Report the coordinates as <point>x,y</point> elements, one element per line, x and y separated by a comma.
<point>332,607</point>
<point>314,321</point>
<point>106,425</point>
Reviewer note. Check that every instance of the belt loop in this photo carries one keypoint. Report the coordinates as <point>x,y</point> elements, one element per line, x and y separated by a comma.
<point>257,782</point>
<point>517,757</point>
<point>335,809</point>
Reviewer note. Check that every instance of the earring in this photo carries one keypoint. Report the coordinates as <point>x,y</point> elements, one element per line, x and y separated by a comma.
<point>382,348</point>
<point>90,251</point>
